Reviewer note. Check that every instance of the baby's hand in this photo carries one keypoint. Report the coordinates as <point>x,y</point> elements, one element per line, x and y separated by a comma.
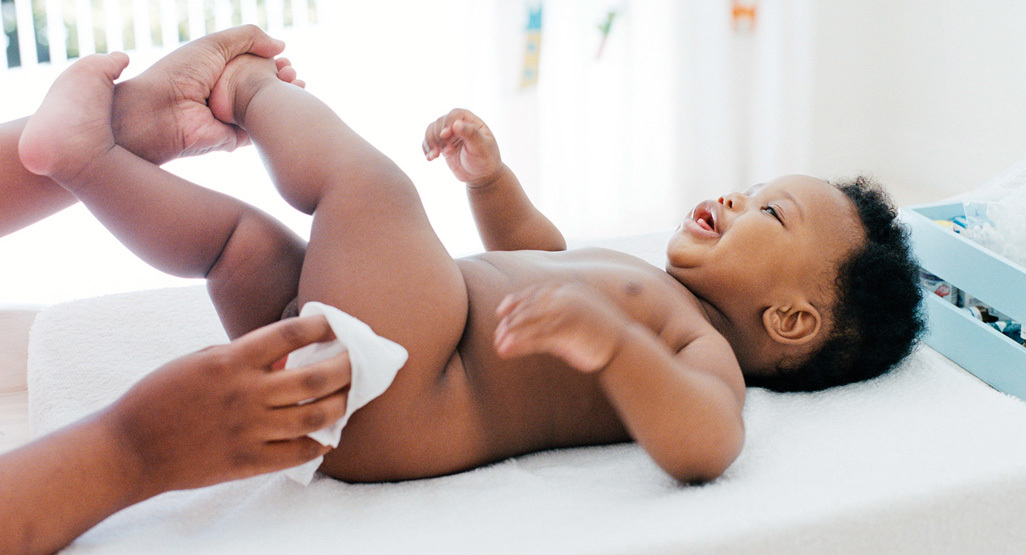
<point>467,145</point>
<point>230,412</point>
<point>572,322</point>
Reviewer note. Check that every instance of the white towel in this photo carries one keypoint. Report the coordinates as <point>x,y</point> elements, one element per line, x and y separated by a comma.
<point>374,360</point>
<point>927,459</point>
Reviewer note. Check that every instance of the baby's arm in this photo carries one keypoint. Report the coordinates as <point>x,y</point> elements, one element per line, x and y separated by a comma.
<point>675,405</point>
<point>506,219</point>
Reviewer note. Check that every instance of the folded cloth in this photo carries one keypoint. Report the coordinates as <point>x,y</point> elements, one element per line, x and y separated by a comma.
<point>374,363</point>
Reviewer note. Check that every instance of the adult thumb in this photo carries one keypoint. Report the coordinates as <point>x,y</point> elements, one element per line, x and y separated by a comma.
<point>247,39</point>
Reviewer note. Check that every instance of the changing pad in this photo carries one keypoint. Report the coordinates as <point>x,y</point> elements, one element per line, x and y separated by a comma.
<point>925,459</point>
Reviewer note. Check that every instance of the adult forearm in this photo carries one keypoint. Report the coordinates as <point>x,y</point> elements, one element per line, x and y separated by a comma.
<point>26,198</point>
<point>59,486</point>
<point>507,220</point>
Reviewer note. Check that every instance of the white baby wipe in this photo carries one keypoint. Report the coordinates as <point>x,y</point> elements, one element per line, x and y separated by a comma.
<point>374,362</point>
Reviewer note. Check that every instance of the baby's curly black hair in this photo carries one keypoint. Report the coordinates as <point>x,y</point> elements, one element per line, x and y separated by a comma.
<point>878,314</point>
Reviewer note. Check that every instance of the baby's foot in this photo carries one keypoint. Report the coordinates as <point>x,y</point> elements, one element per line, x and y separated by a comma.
<point>73,125</point>
<point>243,77</point>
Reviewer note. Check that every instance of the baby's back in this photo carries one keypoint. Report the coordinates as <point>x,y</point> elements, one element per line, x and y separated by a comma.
<point>481,407</point>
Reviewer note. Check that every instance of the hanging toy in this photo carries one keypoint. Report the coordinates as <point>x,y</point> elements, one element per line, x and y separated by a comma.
<point>604,28</point>
<point>532,48</point>
<point>743,15</point>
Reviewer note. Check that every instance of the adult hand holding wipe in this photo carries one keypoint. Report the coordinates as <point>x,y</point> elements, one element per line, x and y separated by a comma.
<point>374,362</point>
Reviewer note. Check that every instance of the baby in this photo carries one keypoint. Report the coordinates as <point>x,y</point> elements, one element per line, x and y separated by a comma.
<point>795,284</point>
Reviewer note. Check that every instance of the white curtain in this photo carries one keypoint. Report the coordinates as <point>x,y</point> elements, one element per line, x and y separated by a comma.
<point>679,107</point>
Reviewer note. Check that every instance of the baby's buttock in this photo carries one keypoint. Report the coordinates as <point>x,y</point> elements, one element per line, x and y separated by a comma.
<point>424,424</point>
<point>416,429</point>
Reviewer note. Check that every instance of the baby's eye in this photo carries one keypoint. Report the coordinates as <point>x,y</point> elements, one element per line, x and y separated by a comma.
<point>772,211</point>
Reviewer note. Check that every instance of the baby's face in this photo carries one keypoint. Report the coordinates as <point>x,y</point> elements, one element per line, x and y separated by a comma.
<point>743,251</point>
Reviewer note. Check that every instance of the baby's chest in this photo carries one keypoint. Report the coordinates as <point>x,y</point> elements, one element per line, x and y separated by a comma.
<point>661,305</point>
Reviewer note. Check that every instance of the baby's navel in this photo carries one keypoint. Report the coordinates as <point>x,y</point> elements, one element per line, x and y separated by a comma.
<point>632,288</point>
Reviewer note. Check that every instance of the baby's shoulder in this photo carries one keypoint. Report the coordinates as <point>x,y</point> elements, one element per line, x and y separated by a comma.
<point>654,298</point>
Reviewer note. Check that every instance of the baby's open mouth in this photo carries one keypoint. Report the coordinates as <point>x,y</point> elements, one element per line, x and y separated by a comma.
<point>705,217</point>
<point>706,223</point>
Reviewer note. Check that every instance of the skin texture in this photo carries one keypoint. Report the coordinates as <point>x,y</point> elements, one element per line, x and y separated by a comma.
<point>224,413</point>
<point>780,243</point>
<point>159,115</point>
<point>524,347</point>
<point>221,414</point>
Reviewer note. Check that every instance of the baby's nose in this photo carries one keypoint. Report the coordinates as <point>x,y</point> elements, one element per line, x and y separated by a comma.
<point>730,201</point>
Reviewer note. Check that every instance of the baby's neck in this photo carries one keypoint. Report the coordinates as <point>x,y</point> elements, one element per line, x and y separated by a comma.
<point>717,318</point>
<point>740,339</point>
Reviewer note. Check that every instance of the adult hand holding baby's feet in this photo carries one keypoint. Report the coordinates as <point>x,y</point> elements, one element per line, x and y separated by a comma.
<point>159,115</point>
<point>72,127</point>
<point>162,113</point>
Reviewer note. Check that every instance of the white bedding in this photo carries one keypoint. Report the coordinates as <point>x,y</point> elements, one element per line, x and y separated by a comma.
<point>926,459</point>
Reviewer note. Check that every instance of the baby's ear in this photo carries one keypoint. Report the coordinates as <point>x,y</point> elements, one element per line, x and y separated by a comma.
<point>792,324</point>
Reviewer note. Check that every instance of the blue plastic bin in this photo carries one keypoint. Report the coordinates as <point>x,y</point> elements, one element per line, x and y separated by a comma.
<point>993,279</point>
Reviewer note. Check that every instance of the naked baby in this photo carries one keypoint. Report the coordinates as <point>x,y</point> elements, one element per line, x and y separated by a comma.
<point>527,346</point>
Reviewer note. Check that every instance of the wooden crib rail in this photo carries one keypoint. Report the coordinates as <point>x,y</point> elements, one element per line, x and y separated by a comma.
<point>52,31</point>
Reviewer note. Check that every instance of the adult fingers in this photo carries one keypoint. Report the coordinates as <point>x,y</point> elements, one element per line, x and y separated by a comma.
<point>266,345</point>
<point>245,39</point>
<point>314,381</point>
<point>298,420</point>
<point>279,455</point>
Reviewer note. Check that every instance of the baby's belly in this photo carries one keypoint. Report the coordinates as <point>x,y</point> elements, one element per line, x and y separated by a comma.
<point>478,409</point>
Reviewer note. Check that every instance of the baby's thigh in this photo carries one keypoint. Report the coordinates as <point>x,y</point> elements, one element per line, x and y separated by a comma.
<point>378,259</point>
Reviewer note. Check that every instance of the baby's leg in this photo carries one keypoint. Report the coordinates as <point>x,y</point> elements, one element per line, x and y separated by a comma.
<point>372,251</point>
<point>251,261</point>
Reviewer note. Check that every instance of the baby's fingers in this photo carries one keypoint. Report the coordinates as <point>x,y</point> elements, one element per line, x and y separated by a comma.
<point>432,139</point>
<point>525,327</point>
<point>514,300</point>
<point>473,133</point>
<point>524,335</point>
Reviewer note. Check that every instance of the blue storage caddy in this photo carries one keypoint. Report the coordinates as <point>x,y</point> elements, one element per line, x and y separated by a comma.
<point>993,279</point>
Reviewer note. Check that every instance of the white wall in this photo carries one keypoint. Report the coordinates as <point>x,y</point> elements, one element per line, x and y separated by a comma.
<point>928,96</point>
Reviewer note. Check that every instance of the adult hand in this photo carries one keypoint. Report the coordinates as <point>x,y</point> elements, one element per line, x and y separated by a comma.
<point>162,113</point>
<point>229,412</point>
